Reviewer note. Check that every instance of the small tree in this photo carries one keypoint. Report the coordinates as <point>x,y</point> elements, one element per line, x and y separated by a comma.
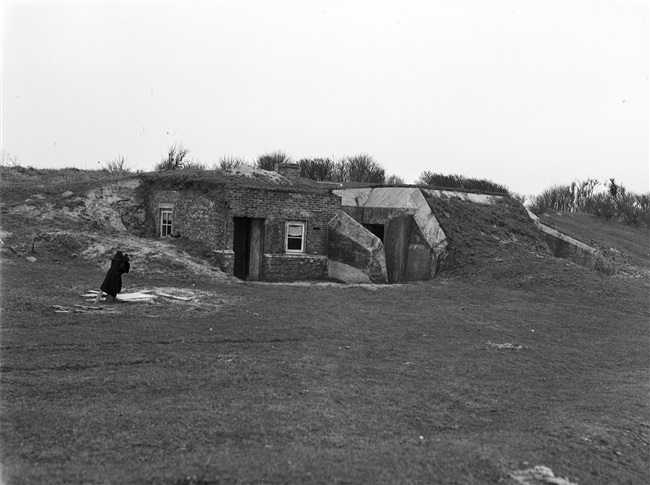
<point>118,165</point>
<point>268,161</point>
<point>364,168</point>
<point>174,159</point>
<point>340,171</point>
<point>320,169</point>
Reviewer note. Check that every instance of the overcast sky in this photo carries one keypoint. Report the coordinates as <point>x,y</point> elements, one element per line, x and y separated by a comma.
<point>527,94</point>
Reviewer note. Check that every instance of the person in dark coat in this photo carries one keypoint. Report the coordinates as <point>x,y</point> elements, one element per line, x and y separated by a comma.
<point>112,284</point>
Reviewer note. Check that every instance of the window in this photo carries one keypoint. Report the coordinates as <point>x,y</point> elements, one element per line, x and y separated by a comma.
<point>295,242</point>
<point>165,222</point>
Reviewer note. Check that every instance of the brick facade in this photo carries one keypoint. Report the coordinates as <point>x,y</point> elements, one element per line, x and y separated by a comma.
<point>277,207</point>
<point>288,267</point>
<point>209,217</point>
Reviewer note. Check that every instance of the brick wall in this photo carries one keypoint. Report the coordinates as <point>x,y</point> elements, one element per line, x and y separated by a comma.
<point>290,267</point>
<point>277,207</point>
<point>194,216</point>
<point>209,218</point>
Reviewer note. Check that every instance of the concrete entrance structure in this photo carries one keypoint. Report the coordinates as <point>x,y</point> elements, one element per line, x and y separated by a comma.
<point>413,241</point>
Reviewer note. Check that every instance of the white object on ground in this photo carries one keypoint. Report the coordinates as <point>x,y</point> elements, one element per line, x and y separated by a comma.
<point>539,475</point>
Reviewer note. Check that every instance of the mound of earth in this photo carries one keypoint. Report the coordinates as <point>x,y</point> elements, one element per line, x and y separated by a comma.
<point>499,244</point>
<point>89,218</point>
<point>484,237</point>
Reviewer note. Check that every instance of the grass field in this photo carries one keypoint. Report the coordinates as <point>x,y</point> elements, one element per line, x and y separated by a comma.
<point>461,380</point>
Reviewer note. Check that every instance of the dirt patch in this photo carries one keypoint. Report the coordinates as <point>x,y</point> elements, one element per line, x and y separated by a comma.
<point>148,256</point>
<point>116,206</point>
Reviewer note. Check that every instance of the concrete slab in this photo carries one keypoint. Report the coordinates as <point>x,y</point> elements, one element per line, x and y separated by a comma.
<point>482,199</point>
<point>429,225</point>
<point>353,197</point>
<point>394,197</point>
<point>431,229</point>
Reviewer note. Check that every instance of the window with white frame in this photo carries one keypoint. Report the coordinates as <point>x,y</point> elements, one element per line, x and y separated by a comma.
<point>295,239</point>
<point>165,222</point>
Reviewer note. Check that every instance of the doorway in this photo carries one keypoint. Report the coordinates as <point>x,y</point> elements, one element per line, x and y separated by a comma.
<point>248,244</point>
<point>376,229</point>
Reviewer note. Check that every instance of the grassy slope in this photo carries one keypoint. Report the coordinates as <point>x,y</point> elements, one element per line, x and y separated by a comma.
<point>329,384</point>
<point>633,242</point>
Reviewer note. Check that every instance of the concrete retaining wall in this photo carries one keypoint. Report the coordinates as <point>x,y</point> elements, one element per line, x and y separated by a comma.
<point>566,247</point>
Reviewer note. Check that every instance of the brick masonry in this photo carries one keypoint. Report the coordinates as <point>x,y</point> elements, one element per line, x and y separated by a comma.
<point>209,218</point>
<point>288,267</point>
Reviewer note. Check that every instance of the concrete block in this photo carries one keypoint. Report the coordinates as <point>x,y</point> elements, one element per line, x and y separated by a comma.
<point>344,272</point>
<point>353,197</point>
<point>353,245</point>
<point>482,199</point>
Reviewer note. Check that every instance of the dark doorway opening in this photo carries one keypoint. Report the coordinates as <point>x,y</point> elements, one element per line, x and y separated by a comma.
<point>248,246</point>
<point>376,229</point>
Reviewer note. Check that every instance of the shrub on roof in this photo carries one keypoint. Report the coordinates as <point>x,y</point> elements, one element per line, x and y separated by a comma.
<point>454,181</point>
<point>363,168</point>
<point>229,162</point>
<point>394,180</point>
<point>117,165</point>
<point>174,159</point>
<point>357,168</point>
<point>320,169</point>
<point>268,161</point>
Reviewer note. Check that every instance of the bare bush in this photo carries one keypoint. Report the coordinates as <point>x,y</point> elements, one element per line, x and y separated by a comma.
<point>582,193</point>
<point>8,160</point>
<point>557,198</point>
<point>194,165</point>
<point>118,165</point>
<point>230,162</point>
<point>174,159</point>
<point>614,204</point>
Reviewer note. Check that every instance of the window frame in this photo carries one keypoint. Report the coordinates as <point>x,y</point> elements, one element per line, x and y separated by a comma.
<point>303,237</point>
<point>163,224</point>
